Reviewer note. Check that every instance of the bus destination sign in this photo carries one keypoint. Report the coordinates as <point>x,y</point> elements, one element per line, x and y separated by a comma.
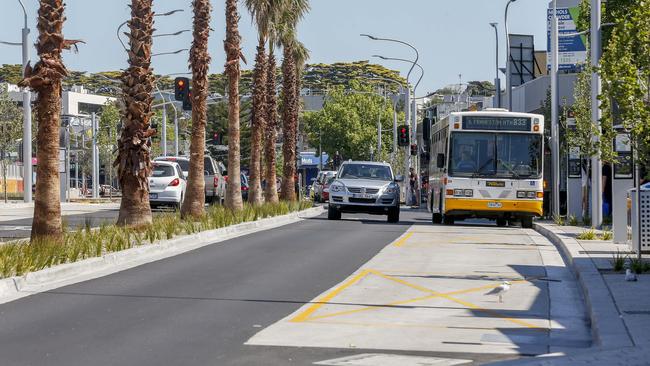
<point>493,123</point>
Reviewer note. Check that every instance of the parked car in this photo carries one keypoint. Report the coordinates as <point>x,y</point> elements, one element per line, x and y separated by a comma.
<point>319,184</point>
<point>215,184</point>
<point>368,187</point>
<point>244,187</point>
<point>167,185</point>
<point>325,196</point>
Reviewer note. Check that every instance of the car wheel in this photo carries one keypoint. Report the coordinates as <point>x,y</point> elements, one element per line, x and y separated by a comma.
<point>527,222</point>
<point>393,215</point>
<point>448,220</point>
<point>333,213</point>
<point>502,222</point>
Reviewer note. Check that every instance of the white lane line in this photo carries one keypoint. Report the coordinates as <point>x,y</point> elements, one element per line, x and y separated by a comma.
<point>381,359</point>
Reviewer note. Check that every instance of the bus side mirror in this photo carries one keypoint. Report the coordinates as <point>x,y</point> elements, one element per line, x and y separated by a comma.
<point>440,161</point>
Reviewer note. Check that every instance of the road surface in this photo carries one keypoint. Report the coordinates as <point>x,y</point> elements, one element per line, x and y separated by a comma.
<point>230,303</point>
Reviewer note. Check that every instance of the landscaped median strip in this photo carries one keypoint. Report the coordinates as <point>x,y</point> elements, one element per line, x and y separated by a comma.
<point>92,253</point>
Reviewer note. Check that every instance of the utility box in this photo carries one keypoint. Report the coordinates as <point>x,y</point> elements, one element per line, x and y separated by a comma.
<point>640,228</point>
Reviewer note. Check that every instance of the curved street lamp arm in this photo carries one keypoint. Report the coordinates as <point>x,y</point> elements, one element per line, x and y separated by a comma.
<point>405,60</point>
<point>118,34</point>
<point>417,54</point>
<point>24,11</point>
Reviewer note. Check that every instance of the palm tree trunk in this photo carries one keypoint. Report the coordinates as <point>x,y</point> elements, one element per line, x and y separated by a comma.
<point>271,135</point>
<point>290,123</point>
<point>134,157</point>
<point>260,114</point>
<point>233,54</point>
<point>46,79</point>
<point>259,123</point>
<point>194,205</point>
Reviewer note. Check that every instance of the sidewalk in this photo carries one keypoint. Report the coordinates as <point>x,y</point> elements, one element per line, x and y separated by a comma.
<point>619,310</point>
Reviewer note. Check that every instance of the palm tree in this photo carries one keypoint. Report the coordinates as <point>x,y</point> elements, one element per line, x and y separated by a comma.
<point>291,98</point>
<point>233,54</point>
<point>134,148</point>
<point>200,61</point>
<point>271,132</point>
<point>265,14</point>
<point>46,79</point>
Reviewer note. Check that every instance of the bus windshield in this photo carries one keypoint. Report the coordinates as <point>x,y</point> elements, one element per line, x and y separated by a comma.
<point>495,155</point>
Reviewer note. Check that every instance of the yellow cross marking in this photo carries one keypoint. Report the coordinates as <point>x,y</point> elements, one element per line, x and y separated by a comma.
<point>306,315</point>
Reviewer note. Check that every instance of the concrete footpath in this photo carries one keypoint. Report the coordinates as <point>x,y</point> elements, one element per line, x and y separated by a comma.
<point>619,310</point>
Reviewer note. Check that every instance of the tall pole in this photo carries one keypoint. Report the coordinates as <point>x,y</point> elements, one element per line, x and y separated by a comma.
<point>508,76</point>
<point>497,81</point>
<point>175,134</point>
<point>27,117</point>
<point>596,164</point>
<point>555,133</point>
<point>95,168</point>
<point>164,130</point>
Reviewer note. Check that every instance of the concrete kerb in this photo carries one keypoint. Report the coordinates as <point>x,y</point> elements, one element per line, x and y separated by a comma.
<point>608,328</point>
<point>65,274</point>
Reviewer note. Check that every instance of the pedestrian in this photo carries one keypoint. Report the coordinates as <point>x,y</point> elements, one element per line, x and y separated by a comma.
<point>413,181</point>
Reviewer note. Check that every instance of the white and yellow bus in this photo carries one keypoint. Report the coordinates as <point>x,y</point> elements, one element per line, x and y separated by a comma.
<point>487,164</point>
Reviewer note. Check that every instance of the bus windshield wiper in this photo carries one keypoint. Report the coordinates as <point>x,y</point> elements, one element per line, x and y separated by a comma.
<point>478,171</point>
<point>510,170</point>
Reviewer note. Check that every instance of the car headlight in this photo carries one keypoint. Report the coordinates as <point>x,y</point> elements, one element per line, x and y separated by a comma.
<point>337,187</point>
<point>391,189</point>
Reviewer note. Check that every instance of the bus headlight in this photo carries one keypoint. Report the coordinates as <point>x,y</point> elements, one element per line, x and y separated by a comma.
<point>469,193</point>
<point>458,192</point>
<point>521,194</point>
<point>531,194</point>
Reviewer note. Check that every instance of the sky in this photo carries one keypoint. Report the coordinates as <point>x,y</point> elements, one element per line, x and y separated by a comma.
<point>453,37</point>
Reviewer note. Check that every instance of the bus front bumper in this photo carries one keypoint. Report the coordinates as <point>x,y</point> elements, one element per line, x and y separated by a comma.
<point>493,208</point>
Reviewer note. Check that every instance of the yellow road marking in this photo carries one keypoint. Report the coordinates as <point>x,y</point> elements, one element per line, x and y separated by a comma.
<point>403,240</point>
<point>325,299</point>
<point>376,307</point>
<point>306,315</point>
<point>458,301</point>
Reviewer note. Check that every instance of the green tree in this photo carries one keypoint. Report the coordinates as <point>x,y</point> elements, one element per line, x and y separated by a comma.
<point>107,137</point>
<point>625,69</point>
<point>10,131</point>
<point>348,123</point>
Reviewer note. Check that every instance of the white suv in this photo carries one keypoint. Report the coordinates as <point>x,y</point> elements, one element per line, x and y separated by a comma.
<point>365,186</point>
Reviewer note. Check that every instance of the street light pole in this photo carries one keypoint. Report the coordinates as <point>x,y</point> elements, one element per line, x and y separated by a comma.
<point>596,163</point>
<point>407,108</point>
<point>27,116</point>
<point>497,81</point>
<point>555,128</point>
<point>163,131</point>
<point>95,157</point>
<point>508,76</point>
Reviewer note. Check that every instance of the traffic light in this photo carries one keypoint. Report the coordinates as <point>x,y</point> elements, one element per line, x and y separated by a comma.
<point>403,135</point>
<point>181,88</point>
<point>187,101</point>
<point>414,150</point>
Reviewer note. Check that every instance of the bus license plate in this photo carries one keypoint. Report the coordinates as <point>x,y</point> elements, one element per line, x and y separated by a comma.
<point>495,204</point>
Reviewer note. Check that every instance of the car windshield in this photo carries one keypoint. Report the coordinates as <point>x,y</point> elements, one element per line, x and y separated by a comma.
<point>163,171</point>
<point>366,171</point>
<point>495,155</point>
<point>330,179</point>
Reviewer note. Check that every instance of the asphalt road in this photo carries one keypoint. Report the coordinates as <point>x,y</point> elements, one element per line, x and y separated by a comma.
<point>197,308</point>
<point>11,229</point>
<point>202,307</point>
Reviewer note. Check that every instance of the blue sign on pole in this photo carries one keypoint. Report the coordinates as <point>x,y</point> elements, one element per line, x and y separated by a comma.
<point>572,47</point>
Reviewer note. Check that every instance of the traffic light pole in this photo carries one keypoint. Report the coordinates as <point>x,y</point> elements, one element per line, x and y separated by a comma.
<point>175,134</point>
<point>163,133</point>
<point>407,152</point>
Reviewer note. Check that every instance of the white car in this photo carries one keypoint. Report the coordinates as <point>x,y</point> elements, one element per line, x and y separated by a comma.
<point>167,185</point>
